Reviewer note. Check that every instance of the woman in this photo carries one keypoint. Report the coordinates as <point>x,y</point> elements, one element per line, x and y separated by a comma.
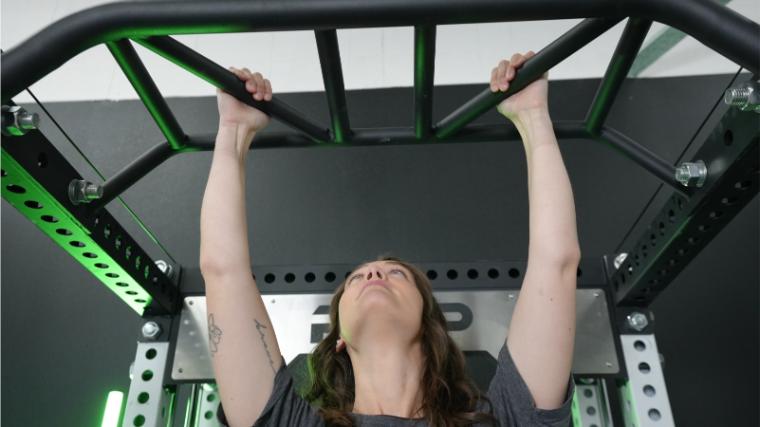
<point>388,359</point>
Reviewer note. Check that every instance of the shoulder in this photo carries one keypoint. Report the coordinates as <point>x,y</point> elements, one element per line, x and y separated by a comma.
<point>513,403</point>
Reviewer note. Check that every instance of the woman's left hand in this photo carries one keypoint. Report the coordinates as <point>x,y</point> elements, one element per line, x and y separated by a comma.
<point>532,97</point>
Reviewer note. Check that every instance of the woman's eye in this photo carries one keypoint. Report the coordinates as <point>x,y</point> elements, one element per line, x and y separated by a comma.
<point>396,270</point>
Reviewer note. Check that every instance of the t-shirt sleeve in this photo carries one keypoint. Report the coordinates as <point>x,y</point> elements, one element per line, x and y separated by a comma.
<point>284,408</point>
<point>513,404</point>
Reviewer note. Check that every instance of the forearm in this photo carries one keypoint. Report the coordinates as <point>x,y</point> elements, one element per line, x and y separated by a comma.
<point>552,230</point>
<point>224,231</point>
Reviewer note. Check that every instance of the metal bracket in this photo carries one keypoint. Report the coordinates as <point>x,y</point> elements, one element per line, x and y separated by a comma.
<point>644,397</point>
<point>149,403</point>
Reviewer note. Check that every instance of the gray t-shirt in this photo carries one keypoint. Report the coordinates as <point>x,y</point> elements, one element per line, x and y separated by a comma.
<point>513,405</point>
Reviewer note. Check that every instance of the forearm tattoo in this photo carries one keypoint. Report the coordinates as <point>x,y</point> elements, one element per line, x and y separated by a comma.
<point>260,328</point>
<point>214,335</point>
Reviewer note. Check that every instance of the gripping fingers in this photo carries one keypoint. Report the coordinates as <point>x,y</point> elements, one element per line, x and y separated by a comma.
<point>255,83</point>
<point>260,86</point>
<point>494,85</point>
<point>242,75</point>
<point>501,75</point>
<point>268,96</point>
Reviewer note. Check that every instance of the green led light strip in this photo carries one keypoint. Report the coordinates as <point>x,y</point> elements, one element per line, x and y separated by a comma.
<point>575,409</point>
<point>30,198</point>
<point>112,412</point>
<point>629,404</point>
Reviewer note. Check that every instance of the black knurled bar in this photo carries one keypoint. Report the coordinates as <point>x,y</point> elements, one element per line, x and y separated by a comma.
<point>532,69</point>
<point>133,172</point>
<point>642,156</point>
<point>395,136</point>
<point>224,79</point>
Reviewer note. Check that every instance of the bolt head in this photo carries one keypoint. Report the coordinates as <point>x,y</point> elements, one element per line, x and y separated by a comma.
<point>162,265</point>
<point>637,321</point>
<point>165,267</point>
<point>151,330</point>
<point>619,259</point>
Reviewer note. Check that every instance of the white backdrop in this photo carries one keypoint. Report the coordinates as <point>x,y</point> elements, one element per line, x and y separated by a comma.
<point>372,58</point>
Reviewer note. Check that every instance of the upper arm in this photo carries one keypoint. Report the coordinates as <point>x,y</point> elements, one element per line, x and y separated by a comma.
<point>542,330</point>
<point>244,352</point>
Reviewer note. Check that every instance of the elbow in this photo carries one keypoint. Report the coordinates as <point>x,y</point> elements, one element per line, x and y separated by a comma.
<point>567,258</point>
<point>213,267</point>
<point>571,258</point>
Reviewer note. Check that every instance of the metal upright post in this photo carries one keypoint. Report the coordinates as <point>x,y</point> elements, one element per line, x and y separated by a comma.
<point>644,397</point>
<point>332,74</point>
<point>149,403</point>
<point>424,76</point>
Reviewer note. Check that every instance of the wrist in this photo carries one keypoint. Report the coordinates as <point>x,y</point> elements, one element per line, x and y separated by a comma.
<point>234,138</point>
<point>532,117</point>
<point>237,126</point>
<point>531,124</point>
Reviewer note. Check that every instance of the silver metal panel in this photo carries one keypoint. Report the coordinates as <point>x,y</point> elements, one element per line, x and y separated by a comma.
<point>148,402</point>
<point>645,398</point>
<point>594,342</point>
<point>294,321</point>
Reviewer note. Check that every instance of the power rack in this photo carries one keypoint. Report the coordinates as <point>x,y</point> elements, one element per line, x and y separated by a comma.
<point>616,365</point>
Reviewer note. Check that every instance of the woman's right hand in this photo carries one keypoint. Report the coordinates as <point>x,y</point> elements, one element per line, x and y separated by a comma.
<point>234,113</point>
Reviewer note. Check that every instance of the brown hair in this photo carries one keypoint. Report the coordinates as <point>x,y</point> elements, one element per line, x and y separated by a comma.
<point>449,396</point>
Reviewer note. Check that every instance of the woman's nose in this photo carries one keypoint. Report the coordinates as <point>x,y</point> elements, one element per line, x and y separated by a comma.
<point>374,273</point>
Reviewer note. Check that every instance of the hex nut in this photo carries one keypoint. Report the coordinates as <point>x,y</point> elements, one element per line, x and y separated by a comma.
<point>637,321</point>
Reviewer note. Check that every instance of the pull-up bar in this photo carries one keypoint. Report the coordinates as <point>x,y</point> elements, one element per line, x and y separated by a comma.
<point>150,25</point>
<point>50,48</point>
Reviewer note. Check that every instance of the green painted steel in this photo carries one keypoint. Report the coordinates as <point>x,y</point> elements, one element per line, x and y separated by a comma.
<point>33,201</point>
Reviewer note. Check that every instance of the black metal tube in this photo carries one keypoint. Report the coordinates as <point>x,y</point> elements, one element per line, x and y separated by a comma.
<point>642,156</point>
<point>224,79</point>
<point>625,53</point>
<point>138,75</point>
<point>332,74</point>
<point>395,136</point>
<point>532,69</point>
<point>132,173</point>
<point>424,77</point>
<point>47,50</point>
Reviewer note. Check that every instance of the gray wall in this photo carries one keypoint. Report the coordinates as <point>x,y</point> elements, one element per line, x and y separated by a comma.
<point>67,340</point>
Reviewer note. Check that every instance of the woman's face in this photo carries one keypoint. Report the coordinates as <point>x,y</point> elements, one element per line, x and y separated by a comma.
<point>380,298</point>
